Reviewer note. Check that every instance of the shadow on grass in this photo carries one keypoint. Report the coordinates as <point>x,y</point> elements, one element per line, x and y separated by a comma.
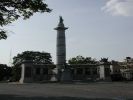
<point>17,97</point>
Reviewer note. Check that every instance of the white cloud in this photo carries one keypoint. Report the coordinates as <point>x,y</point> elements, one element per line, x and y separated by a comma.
<point>119,7</point>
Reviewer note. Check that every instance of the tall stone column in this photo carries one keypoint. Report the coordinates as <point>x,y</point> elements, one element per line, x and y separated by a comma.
<point>63,73</point>
<point>61,45</point>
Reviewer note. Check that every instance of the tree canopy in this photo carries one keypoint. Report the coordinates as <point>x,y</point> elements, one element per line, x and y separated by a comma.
<point>82,60</point>
<point>35,56</point>
<point>104,60</point>
<point>5,71</point>
<point>11,10</point>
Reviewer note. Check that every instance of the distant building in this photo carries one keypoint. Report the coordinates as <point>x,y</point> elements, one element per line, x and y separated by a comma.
<point>31,72</point>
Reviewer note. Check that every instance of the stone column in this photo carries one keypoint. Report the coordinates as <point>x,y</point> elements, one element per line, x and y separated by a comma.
<point>41,71</point>
<point>84,71</point>
<point>22,73</point>
<point>75,71</point>
<point>101,72</point>
<point>61,45</point>
<point>60,49</point>
<point>26,72</point>
<point>91,71</point>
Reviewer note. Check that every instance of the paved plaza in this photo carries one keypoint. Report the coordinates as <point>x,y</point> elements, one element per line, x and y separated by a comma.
<point>75,91</point>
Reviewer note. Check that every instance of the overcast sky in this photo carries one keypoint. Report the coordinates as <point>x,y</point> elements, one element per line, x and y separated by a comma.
<point>97,28</point>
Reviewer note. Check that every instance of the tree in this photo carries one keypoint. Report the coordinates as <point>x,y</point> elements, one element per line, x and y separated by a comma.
<point>82,60</point>
<point>16,73</point>
<point>128,59</point>
<point>35,56</point>
<point>11,10</point>
<point>104,60</point>
<point>5,72</point>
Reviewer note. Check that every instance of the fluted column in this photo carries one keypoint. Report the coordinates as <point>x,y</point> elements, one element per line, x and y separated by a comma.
<point>61,45</point>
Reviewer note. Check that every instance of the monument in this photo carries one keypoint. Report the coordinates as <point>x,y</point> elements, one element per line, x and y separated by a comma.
<point>61,44</point>
<point>63,73</point>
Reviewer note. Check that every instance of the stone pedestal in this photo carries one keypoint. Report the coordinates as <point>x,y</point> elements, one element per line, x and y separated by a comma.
<point>66,75</point>
<point>54,77</point>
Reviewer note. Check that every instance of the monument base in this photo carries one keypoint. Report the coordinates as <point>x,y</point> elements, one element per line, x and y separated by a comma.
<point>66,75</point>
<point>54,77</point>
